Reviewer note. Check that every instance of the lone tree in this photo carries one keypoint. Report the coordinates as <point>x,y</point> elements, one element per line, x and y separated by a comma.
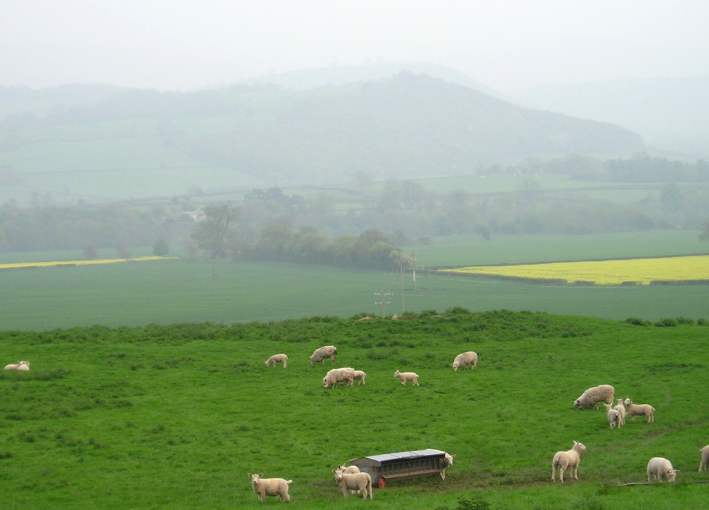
<point>214,232</point>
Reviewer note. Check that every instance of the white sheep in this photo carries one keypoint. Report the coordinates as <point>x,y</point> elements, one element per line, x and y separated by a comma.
<point>640,410</point>
<point>447,462</point>
<point>620,407</point>
<point>704,458</point>
<point>322,353</point>
<point>270,487</point>
<point>467,359</point>
<point>405,377</point>
<point>569,459</point>
<point>595,395</point>
<point>337,375</point>
<point>360,482</point>
<point>361,376</point>
<point>20,366</point>
<point>660,469</point>
<point>613,416</point>
<point>276,359</point>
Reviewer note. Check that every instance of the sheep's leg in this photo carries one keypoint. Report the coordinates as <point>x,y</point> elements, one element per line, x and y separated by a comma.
<point>443,474</point>
<point>285,364</point>
<point>553,473</point>
<point>561,473</point>
<point>576,472</point>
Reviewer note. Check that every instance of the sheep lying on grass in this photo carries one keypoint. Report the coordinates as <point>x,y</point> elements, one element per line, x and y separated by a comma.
<point>594,396</point>
<point>704,458</point>
<point>405,377</point>
<point>338,375</point>
<point>20,366</point>
<point>613,416</point>
<point>361,376</point>
<point>660,469</point>
<point>640,410</point>
<point>467,359</point>
<point>620,407</point>
<point>322,353</point>
<point>276,359</point>
<point>448,462</point>
<point>270,487</point>
<point>360,482</point>
<point>569,459</point>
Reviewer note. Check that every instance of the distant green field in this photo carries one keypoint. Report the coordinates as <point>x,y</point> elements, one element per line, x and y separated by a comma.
<point>506,249</point>
<point>175,417</point>
<point>188,291</point>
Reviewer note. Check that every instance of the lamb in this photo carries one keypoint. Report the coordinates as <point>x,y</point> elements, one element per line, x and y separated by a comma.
<point>405,377</point>
<point>20,366</point>
<point>276,359</point>
<point>467,359</point>
<point>322,353</point>
<point>704,458</point>
<point>337,375</point>
<point>613,416</point>
<point>595,395</point>
<point>360,482</point>
<point>447,462</point>
<point>361,376</point>
<point>640,410</point>
<point>660,469</point>
<point>569,459</point>
<point>270,487</point>
<point>620,407</point>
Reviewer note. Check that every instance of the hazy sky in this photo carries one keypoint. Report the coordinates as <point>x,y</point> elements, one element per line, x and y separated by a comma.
<point>507,44</point>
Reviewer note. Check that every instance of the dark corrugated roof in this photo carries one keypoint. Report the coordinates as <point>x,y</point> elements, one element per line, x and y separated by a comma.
<point>405,455</point>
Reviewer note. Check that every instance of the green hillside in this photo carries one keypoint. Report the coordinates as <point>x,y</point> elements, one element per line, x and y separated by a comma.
<point>176,416</point>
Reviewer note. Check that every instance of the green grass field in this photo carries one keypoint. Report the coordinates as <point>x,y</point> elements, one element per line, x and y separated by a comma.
<point>185,291</point>
<point>175,417</point>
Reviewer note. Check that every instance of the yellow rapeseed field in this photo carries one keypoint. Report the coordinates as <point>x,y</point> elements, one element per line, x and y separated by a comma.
<point>66,263</point>
<point>605,272</point>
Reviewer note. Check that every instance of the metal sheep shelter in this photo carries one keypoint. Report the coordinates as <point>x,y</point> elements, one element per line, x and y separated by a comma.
<point>393,466</point>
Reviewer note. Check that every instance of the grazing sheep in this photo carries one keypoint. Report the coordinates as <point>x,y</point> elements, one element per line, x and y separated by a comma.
<point>361,376</point>
<point>467,359</point>
<point>337,375</point>
<point>595,395</point>
<point>322,353</point>
<point>448,462</point>
<point>640,410</point>
<point>660,469</point>
<point>360,482</point>
<point>613,416</point>
<point>704,458</point>
<point>276,359</point>
<point>405,377</point>
<point>270,487</point>
<point>620,407</point>
<point>569,459</point>
<point>20,366</point>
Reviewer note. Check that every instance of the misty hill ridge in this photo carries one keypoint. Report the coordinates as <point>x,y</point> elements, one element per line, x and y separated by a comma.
<point>407,125</point>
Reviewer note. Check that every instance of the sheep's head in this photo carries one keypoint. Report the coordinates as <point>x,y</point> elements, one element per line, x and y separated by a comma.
<point>627,402</point>
<point>339,472</point>
<point>579,447</point>
<point>671,474</point>
<point>577,403</point>
<point>324,382</point>
<point>396,374</point>
<point>254,477</point>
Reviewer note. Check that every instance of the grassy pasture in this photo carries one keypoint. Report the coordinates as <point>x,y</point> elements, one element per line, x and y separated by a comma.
<point>176,416</point>
<point>179,291</point>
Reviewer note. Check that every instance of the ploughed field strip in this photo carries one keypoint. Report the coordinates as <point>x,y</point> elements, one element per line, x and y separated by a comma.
<point>643,271</point>
<point>76,263</point>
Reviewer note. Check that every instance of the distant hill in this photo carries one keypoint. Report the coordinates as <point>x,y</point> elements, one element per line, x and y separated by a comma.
<point>96,141</point>
<point>670,113</point>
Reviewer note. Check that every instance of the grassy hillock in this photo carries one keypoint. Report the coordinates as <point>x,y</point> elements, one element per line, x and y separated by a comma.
<point>176,416</point>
